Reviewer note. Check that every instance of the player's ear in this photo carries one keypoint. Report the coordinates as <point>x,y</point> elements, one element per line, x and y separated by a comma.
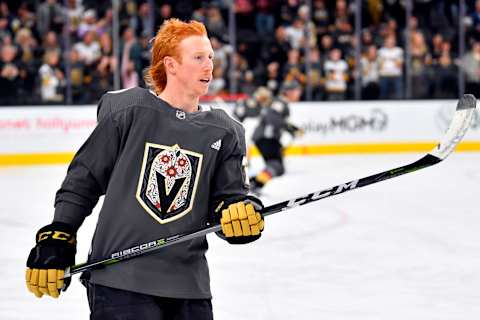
<point>170,65</point>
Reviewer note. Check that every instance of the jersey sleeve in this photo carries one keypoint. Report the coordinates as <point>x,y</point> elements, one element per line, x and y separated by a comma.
<point>89,172</point>
<point>230,181</point>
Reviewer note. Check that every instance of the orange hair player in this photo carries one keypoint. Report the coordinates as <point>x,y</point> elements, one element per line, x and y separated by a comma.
<point>166,166</point>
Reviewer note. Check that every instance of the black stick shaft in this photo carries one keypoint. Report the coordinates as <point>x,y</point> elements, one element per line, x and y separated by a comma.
<point>155,245</point>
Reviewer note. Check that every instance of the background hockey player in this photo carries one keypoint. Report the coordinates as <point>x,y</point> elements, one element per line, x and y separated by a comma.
<point>267,135</point>
<point>252,106</point>
<point>166,166</point>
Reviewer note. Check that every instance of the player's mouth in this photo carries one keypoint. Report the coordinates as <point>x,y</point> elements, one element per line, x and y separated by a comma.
<point>205,80</point>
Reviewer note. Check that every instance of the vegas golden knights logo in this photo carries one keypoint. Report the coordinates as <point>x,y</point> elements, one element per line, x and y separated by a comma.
<point>168,181</point>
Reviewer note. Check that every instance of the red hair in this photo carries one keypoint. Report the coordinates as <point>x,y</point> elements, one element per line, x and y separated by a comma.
<point>166,43</point>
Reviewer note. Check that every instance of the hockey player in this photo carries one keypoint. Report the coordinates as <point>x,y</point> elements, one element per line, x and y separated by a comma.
<point>267,135</point>
<point>251,107</point>
<point>166,166</point>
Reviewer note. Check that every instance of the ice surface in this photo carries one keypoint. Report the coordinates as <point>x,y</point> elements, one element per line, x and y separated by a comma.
<point>407,248</point>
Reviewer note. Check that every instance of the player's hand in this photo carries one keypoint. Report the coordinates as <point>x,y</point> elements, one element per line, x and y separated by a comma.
<point>242,219</point>
<point>299,133</point>
<point>54,252</point>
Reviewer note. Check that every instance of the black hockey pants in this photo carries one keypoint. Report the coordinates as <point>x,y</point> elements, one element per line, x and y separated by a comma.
<point>112,304</point>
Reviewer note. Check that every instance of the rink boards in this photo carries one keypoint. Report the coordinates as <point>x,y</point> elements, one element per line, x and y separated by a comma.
<point>42,135</point>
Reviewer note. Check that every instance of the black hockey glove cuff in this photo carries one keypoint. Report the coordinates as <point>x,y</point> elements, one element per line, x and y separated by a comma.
<point>294,130</point>
<point>240,219</point>
<point>54,252</point>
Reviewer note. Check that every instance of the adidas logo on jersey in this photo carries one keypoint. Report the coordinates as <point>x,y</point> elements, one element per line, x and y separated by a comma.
<point>217,144</point>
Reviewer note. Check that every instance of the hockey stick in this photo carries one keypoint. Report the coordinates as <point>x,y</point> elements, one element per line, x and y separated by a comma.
<point>459,125</point>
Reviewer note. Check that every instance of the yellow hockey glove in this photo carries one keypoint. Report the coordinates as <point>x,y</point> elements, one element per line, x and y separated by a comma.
<point>54,252</point>
<point>242,219</point>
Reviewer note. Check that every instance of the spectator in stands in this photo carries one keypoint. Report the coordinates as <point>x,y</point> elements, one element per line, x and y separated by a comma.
<point>445,78</point>
<point>7,15</point>
<point>423,10</point>
<point>89,23</point>
<point>295,34</point>
<point>240,66</point>
<point>420,62</point>
<point>370,74</point>
<point>9,75</point>
<point>50,17</point>
<point>320,17</point>
<point>342,32</point>
<point>278,50</point>
<point>131,64</point>
<point>221,53</point>
<point>27,62</point>
<point>293,70</point>
<point>75,12</point>
<point>105,23</point>
<point>315,75</point>
<point>436,47</point>
<point>218,82</point>
<point>391,69</point>
<point>4,29</point>
<point>215,24</point>
<point>475,17</point>
<point>77,80</point>
<point>309,28</point>
<point>166,13</point>
<point>367,38</point>
<point>336,76</point>
<point>244,14</point>
<point>25,17</point>
<point>288,11</point>
<point>144,22</point>
<point>102,77</point>
<point>471,67</point>
<point>50,43</point>
<point>89,48</point>
<point>247,82</point>
<point>106,47</point>
<point>144,42</point>
<point>326,45</point>
<point>265,18</point>
<point>273,77</point>
<point>52,78</point>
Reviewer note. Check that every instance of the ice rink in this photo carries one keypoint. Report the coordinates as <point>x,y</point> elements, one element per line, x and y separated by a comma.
<point>406,248</point>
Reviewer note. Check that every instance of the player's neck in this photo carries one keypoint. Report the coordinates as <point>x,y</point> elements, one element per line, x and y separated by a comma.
<point>180,100</point>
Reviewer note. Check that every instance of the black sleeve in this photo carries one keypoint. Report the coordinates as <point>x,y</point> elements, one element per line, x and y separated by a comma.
<point>89,172</point>
<point>230,179</point>
<point>291,128</point>
<point>230,182</point>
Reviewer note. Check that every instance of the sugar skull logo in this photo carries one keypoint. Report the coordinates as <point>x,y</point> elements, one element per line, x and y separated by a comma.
<point>168,181</point>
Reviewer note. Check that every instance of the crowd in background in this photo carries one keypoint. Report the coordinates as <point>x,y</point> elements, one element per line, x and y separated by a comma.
<point>38,37</point>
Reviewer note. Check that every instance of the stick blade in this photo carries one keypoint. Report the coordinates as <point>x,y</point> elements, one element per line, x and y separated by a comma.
<point>468,101</point>
<point>462,119</point>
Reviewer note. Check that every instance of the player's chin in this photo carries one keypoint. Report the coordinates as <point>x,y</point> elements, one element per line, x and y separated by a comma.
<point>202,90</point>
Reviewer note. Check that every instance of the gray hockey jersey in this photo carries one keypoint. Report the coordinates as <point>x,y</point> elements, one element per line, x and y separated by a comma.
<point>162,171</point>
<point>273,121</point>
<point>248,108</point>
